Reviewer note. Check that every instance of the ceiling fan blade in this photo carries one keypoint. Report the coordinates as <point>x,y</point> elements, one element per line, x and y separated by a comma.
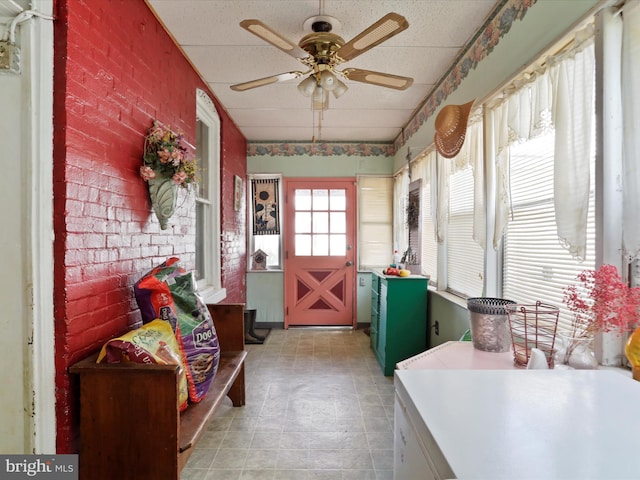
<point>388,26</point>
<point>259,29</point>
<point>377,78</point>
<point>241,87</point>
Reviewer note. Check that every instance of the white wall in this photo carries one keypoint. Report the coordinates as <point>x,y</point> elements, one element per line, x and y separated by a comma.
<point>27,406</point>
<point>14,289</point>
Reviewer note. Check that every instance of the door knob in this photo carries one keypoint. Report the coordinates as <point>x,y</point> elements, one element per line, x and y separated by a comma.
<point>349,263</point>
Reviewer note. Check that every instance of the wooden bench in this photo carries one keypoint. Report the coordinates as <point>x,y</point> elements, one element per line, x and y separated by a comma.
<point>130,424</point>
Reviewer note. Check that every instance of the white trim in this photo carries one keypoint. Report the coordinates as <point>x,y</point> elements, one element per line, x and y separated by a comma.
<point>211,283</point>
<point>609,135</point>
<point>39,132</point>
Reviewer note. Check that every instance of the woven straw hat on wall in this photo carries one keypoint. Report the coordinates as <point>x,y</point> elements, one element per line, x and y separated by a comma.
<point>451,128</point>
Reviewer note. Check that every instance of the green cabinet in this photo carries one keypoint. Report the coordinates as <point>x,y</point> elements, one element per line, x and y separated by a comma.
<point>398,318</point>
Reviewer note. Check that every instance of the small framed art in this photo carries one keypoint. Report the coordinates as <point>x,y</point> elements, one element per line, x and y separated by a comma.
<point>237,193</point>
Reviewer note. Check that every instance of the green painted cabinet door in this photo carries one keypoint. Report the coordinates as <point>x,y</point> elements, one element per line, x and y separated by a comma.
<point>398,318</point>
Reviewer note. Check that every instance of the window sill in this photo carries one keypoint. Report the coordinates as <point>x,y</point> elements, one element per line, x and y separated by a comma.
<point>269,270</point>
<point>211,295</point>
<point>461,302</point>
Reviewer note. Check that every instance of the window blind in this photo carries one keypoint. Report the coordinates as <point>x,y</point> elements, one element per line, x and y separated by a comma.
<point>536,267</point>
<point>465,258</point>
<point>375,211</point>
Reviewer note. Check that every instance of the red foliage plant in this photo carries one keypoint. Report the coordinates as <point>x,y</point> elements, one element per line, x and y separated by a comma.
<point>602,302</point>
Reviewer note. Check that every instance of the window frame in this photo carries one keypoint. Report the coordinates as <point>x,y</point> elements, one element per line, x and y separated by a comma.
<point>210,283</point>
<point>461,216</point>
<point>386,249</point>
<point>251,247</point>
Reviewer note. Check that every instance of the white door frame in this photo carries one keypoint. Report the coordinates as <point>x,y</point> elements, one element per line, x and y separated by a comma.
<point>36,44</point>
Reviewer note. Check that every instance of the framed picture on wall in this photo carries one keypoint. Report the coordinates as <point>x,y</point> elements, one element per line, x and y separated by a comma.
<point>237,193</point>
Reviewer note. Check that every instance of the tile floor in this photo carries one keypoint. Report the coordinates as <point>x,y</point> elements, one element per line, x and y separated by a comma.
<point>317,408</point>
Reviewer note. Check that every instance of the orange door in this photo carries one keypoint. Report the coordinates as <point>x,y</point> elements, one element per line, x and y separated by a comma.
<point>319,259</point>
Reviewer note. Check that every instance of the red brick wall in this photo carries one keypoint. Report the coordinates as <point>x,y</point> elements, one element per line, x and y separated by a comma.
<point>116,70</point>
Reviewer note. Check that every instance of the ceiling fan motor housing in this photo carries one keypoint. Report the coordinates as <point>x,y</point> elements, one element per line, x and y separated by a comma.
<point>321,26</point>
<point>321,46</point>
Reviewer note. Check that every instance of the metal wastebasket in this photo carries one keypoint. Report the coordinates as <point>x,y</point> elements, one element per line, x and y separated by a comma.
<point>489,324</point>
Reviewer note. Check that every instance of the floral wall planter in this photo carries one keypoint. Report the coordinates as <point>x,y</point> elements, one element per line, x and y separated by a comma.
<point>166,167</point>
<point>164,195</point>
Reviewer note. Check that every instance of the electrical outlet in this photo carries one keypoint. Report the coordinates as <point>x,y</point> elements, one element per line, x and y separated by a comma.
<point>436,327</point>
<point>362,281</point>
<point>9,57</point>
<point>635,273</point>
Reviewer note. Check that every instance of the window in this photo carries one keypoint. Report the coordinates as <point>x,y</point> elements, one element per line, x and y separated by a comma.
<point>465,258</point>
<point>536,266</point>
<point>320,222</point>
<point>429,258</point>
<point>375,212</point>
<point>207,195</point>
<point>265,192</point>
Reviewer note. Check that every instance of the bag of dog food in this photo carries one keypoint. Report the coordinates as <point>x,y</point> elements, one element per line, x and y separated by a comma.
<point>169,292</point>
<point>154,342</point>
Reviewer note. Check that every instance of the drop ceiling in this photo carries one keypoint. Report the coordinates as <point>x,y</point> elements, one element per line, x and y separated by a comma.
<point>225,54</point>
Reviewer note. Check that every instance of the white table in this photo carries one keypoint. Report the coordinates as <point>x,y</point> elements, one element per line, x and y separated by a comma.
<point>509,423</point>
<point>458,355</point>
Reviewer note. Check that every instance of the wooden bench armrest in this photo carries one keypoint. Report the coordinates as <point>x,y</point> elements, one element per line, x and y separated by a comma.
<point>228,320</point>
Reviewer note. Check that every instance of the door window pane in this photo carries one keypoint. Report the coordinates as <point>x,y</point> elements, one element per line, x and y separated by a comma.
<point>320,222</point>
<point>320,200</point>
<point>320,245</point>
<point>338,200</point>
<point>338,222</point>
<point>338,246</point>
<point>303,245</point>
<point>303,222</point>
<point>303,199</point>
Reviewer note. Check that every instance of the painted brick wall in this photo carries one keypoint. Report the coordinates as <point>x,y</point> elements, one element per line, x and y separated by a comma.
<point>116,70</point>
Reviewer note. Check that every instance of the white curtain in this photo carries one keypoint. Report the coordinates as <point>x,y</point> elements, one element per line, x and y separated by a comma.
<point>400,197</point>
<point>558,95</point>
<point>471,154</point>
<point>503,197</point>
<point>573,79</point>
<point>432,165</point>
<point>631,119</point>
<point>475,148</point>
<point>443,170</point>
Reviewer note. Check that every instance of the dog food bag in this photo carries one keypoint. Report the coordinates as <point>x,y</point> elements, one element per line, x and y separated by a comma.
<point>152,343</point>
<point>169,292</point>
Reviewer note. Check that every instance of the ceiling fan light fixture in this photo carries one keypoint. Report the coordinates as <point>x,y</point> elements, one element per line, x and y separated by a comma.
<point>307,86</point>
<point>339,89</point>
<point>320,100</point>
<point>328,80</point>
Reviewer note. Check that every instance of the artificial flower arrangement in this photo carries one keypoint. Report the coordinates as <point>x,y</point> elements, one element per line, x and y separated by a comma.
<point>166,156</point>
<point>602,302</point>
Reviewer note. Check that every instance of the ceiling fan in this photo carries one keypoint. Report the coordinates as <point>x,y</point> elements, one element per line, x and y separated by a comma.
<point>322,51</point>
